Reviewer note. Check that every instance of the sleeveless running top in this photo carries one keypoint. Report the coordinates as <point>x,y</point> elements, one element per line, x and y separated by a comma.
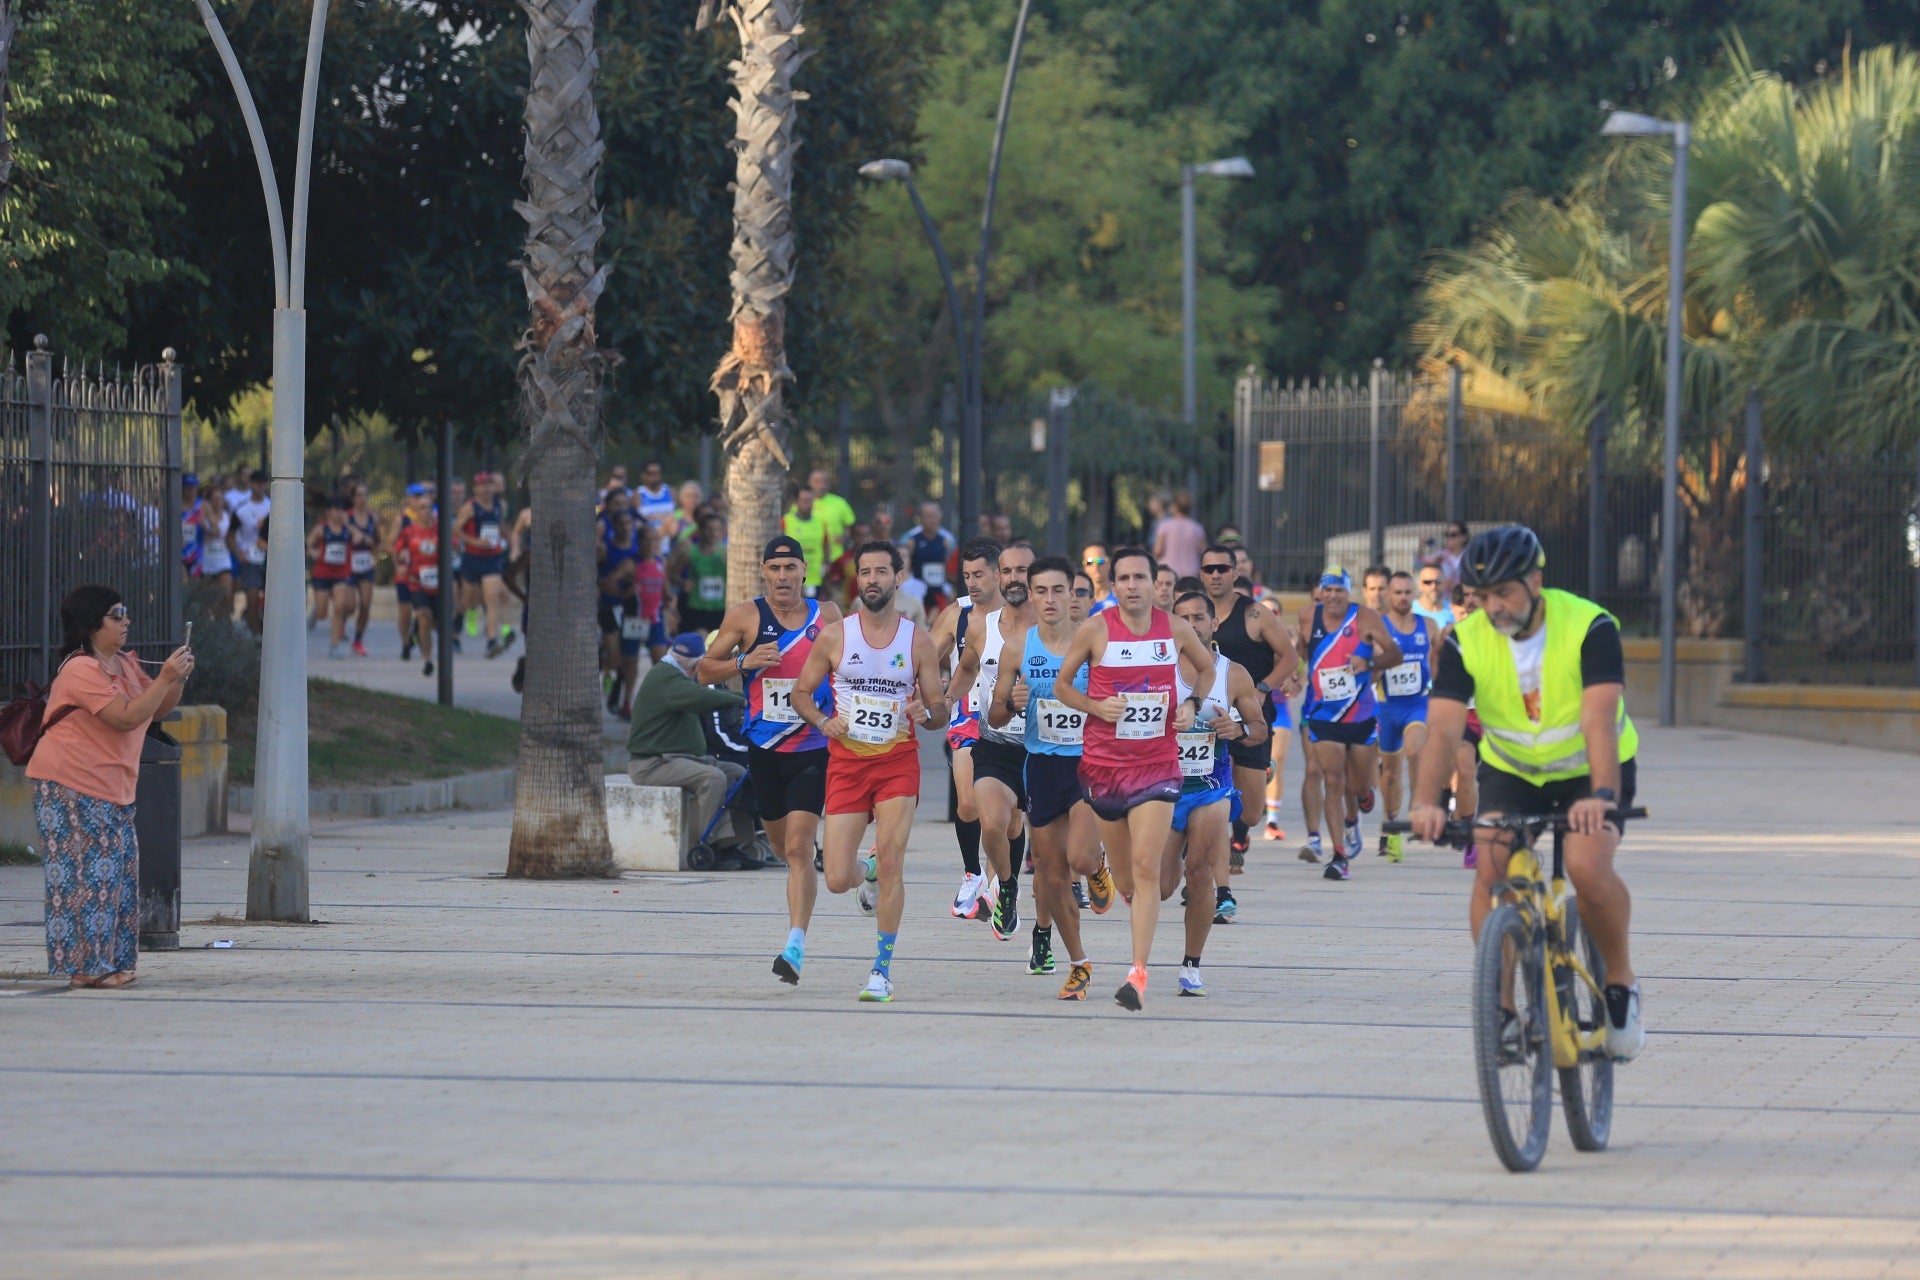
<point>706,579</point>
<point>927,560</point>
<point>361,558</point>
<point>963,704</point>
<point>336,555</point>
<point>992,642</point>
<point>1231,639</point>
<point>1142,669</point>
<point>1053,728</point>
<point>1335,692</point>
<point>1409,681</point>
<point>1203,757</point>
<point>616,556</point>
<point>650,585</point>
<point>772,722</point>
<point>484,529</point>
<point>871,684</point>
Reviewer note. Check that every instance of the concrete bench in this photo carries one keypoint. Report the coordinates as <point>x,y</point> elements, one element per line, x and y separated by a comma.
<point>647,825</point>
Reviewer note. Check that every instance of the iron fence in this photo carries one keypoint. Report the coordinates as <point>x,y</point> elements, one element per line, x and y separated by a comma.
<point>90,482</point>
<point>1359,471</point>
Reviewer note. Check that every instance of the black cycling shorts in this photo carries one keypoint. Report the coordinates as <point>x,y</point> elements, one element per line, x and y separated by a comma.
<point>787,782</point>
<point>1005,763</point>
<point>1352,733</point>
<point>1256,755</point>
<point>1510,794</point>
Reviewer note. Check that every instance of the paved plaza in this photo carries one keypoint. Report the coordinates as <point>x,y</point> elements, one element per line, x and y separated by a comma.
<point>458,1076</point>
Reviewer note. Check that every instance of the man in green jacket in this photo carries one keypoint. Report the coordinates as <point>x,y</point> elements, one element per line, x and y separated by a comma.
<point>667,747</point>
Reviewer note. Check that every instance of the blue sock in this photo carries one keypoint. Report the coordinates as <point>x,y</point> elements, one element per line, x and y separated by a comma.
<point>883,963</point>
<point>797,940</point>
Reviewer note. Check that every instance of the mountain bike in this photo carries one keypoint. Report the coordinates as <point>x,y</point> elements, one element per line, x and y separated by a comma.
<point>1539,1000</point>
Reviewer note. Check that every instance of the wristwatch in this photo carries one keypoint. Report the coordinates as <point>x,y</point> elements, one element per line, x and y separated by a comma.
<point>1607,794</point>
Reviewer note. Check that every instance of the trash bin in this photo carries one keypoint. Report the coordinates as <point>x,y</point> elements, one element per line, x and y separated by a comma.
<point>156,823</point>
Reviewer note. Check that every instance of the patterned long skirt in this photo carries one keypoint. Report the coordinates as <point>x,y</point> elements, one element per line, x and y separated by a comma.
<point>93,881</point>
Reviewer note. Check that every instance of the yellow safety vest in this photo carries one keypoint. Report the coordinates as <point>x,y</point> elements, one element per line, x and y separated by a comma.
<point>1555,748</point>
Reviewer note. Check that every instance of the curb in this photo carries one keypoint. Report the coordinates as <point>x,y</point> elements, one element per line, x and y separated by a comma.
<point>491,789</point>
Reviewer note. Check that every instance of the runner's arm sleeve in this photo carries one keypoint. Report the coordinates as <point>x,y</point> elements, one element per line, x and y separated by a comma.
<point>1451,679</point>
<point>1601,659</point>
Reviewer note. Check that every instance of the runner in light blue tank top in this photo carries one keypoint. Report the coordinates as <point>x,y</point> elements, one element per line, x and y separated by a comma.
<point>1040,667</point>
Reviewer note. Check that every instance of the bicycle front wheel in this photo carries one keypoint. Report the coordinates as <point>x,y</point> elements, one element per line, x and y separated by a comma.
<point>1510,1047</point>
<point>1586,1091</point>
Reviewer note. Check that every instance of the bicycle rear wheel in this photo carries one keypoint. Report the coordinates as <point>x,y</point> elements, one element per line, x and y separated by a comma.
<point>1586,1091</point>
<point>1510,1049</point>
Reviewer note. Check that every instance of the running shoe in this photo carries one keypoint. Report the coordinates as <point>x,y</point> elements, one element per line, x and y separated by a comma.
<point>428,669</point>
<point>1133,992</point>
<point>1240,843</point>
<point>1338,869</point>
<point>1040,956</point>
<point>1366,801</point>
<point>1355,841</point>
<point>1191,983</point>
<point>1626,1035</point>
<point>1396,847</point>
<point>473,622</point>
<point>359,649</point>
<point>1470,858</point>
<point>879,988</point>
<point>787,965</point>
<point>1006,910</point>
<point>870,867</point>
<point>1079,893</point>
<point>1310,853</point>
<point>1079,978</point>
<point>869,898</point>
<point>495,648</point>
<point>963,902</point>
<point>1100,893</point>
<point>507,636</point>
<point>406,652</point>
<point>1224,907</point>
<point>335,652</point>
<point>1274,831</point>
<point>1236,861</point>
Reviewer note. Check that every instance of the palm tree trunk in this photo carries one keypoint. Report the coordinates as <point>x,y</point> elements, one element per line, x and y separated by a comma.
<point>6,56</point>
<point>559,801</point>
<point>752,377</point>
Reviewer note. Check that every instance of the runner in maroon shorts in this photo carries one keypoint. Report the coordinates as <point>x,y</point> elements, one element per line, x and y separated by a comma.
<point>1130,763</point>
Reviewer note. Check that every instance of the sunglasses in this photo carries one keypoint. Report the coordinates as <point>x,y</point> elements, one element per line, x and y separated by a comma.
<point>1429,582</point>
<point>1216,568</point>
<point>1083,592</point>
<point>1094,560</point>
<point>1456,533</point>
<point>118,613</point>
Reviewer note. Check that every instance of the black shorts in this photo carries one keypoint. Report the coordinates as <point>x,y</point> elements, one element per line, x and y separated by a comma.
<point>1359,733</point>
<point>1255,755</point>
<point>701,620</point>
<point>610,619</point>
<point>1503,792</point>
<point>787,782</point>
<point>1053,787</point>
<point>1005,763</point>
<point>1472,737</point>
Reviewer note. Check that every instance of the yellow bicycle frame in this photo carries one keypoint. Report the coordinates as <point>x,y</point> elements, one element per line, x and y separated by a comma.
<point>1526,887</point>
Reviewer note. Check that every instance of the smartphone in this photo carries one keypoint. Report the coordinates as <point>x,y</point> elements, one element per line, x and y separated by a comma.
<point>187,641</point>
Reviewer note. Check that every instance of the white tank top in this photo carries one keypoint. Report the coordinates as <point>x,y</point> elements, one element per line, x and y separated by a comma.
<point>1199,750</point>
<point>991,643</point>
<point>871,684</point>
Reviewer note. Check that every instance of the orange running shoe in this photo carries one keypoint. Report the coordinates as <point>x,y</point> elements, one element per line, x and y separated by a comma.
<point>1100,892</point>
<point>1133,992</point>
<point>1078,979</point>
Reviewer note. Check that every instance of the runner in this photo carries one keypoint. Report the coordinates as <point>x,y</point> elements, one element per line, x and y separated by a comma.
<point>1232,711</point>
<point>699,568</point>
<point>250,547</point>
<point>648,624</point>
<point>1093,559</point>
<point>419,544</point>
<point>981,576</point>
<point>1281,722</point>
<point>1403,706</point>
<point>481,526</point>
<point>415,512</point>
<point>1129,762</point>
<point>1373,587</point>
<point>1432,602</point>
<point>330,543</point>
<point>1255,638</point>
<point>1065,844</point>
<point>1545,669</point>
<point>1165,583</point>
<point>766,643</point>
<point>1342,732</point>
<point>884,682</point>
<point>999,756</point>
<point>619,559</point>
<point>653,500</point>
<point>365,545</point>
<point>928,548</point>
<point>216,552</point>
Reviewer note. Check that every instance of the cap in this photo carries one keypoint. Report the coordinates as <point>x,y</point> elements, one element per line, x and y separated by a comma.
<point>689,644</point>
<point>416,490</point>
<point>189,481</point>
<point>483,477</point>
<point>784,547</point>
<point>1334,576</point>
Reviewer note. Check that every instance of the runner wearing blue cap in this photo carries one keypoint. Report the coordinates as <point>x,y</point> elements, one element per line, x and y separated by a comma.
<point>1347,644</point>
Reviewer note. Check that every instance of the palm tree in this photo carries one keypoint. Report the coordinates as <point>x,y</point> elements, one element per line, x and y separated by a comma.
<point>559,802</point>
<point>6,54</point>
<point>752,377</point>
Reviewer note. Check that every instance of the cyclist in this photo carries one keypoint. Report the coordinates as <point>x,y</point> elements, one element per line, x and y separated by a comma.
<point>1545,672</point>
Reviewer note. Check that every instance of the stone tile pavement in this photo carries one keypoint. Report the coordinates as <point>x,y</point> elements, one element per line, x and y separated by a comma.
<point>459,1076</point>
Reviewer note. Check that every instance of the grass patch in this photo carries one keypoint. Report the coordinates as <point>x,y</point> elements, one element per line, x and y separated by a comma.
<point>15,854</point>
<point>359,738</point>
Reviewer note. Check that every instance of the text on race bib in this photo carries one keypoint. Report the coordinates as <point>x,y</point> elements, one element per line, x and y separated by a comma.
<point>254,552</point>
<point>776,701</point>
<point>1337,684</point>
<point>711,589</point>
<point>1057,724</point>
<point>430,577</point>
<point>872,719</point>
<point>1406,681</point>
<point>334,553</point>
<point>1143,716</point>
<point>1196,752</point>
<point>934,575</point>
<point>490,535</point>
<point>632,627</point>
<point>362,561</point>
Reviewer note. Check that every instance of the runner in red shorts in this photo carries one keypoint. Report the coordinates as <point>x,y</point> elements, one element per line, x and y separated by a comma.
<point>1129,762</point>
<point>884,681</point>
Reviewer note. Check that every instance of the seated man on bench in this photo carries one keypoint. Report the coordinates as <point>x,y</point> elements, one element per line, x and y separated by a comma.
<point>667,747</point>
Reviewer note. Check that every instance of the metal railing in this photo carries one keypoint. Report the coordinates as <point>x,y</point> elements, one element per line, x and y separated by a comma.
<point>89,492</point>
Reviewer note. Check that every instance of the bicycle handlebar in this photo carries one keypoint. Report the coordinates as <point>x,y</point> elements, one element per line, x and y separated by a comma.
<point>1460,830</point>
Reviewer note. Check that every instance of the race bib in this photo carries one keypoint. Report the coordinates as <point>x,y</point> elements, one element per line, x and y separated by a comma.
<point>873,720</point>
<point>363,561</point>
<point>490,535</point>
<point>254,552</point>
<point>633,627</point>
<point>1057,724</point>
<point>189,528</point>
<point>934,575</point>
<point>1143,716</point>
<point>430,577</point>
<point>1406,681</point>
<point>711,590</point>
<point>1337,684</point>
<point>776,702</point>
<point>334,553</point>
<point>1196,753</point>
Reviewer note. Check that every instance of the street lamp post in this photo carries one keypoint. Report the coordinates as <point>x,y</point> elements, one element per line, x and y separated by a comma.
<point>1235,167</point>
<point>277,867</point>
<point>1626,124</point>
<point>901,171</point>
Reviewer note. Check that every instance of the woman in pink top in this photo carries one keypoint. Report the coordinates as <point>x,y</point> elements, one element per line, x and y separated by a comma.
<point>1180,538</point>
<point>84,771</point>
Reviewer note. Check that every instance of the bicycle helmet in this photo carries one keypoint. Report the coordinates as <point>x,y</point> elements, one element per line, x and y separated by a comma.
<point>1506,554</point>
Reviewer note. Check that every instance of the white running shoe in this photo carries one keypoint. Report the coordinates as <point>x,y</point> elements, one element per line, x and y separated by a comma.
<point>869,898</point>
<point>1625,1040</point>
<point>879,987</point>
<point>970,886</point>
<point>1354,841</point>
